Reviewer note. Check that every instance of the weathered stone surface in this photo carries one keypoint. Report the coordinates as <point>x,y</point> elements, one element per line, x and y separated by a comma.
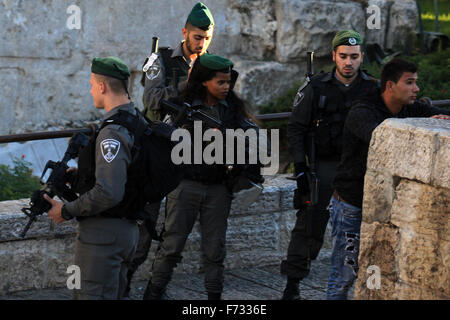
<point>402,25</point>
<point>39,264</point>
<point>411,150</point>
<point>311,25</point>
<point>378,35</point>
<point>379,189</point>
<point>12,224</point>
<point>406,211</point>
<point>257,25</point>
<point>256,236</point>
<point>45,66</point>
<point>422,209</point>
<point>424,264</point>
<point>262,81</point>
<point>378,247</point>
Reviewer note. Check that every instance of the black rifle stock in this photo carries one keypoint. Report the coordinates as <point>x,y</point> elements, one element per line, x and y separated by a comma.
<point>56,184</point>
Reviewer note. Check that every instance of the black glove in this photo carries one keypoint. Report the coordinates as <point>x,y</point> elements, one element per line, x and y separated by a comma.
<point>302,192</point>
<point>302,180</point>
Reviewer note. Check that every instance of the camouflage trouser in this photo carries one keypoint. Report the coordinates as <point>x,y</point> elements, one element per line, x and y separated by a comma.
<point>189,201</point>
<point>303,247</point>
<point>103,251</point>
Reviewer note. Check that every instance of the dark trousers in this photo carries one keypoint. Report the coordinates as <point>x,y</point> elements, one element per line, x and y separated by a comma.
<point>189,201</point>
<point>103,251</point>
<point>145,238</point>
<point>304,247</point>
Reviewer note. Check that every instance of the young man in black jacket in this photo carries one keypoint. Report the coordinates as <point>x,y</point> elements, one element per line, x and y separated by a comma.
<point>397,100</point>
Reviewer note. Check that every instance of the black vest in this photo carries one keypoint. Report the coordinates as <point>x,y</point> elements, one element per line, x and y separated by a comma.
<point>173,66</point>
<point>85,179</point>
<point>330,109</point>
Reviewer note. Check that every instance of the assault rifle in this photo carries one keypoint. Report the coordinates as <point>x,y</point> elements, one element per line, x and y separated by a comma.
<point>186,112</point>
<point>311,199</point>
<point>56,184</point>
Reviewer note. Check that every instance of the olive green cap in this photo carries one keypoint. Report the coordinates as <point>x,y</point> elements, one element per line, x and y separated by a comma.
<point>346,38</point>
<point>111,67</point>
<point>214,62</point>
<point>201,17</point>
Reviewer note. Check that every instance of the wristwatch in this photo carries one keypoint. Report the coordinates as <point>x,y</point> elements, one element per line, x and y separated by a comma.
<point>65,214</point>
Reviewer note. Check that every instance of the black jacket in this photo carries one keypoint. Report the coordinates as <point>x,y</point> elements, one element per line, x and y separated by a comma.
<point>362,120</point>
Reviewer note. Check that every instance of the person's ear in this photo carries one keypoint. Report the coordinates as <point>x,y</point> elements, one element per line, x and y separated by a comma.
<point>102,87</point>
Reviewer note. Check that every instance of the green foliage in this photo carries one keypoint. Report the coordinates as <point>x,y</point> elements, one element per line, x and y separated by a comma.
<point>18,182</point>
<point>428,15</point>
<point>434,74</point>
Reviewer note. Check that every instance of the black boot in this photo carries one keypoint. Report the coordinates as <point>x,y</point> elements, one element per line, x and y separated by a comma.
<point>214,295</point>
<point>154,293</point>
<point>292,291</point>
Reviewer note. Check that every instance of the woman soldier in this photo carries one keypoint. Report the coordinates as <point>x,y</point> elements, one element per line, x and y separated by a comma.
<point>204,189</point>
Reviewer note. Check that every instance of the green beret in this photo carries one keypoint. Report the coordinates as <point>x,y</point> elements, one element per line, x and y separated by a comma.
<point>201,17</point>
<point>111,67</point>
<point>214,62</point>
<point>346,38</point>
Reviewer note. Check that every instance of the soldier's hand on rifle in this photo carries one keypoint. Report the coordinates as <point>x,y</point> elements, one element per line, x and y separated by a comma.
<point>55,212</point>
<point>71,174</point>
<point>301,195</point>
<point>302,180</point>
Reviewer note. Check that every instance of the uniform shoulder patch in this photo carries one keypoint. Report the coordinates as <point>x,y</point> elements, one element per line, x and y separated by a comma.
<point>152,68</point>
<point>110,148</point>
<point>300,95</point>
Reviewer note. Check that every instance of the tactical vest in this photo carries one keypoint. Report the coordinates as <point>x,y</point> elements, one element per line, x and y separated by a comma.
<point>211,173</point>
<point>331,106</point>
<point>177,66</point>
<point>143,185</point>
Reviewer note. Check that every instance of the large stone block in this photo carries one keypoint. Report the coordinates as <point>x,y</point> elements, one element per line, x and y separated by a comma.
<point>422,209</point>
<point>379,189</point>
<point>423,262</point>
<point>408,147</point>
<point>374,35</point>
<point>257,27</point>
<point>405,229</point>
<point>311,25</point>
<point>378,247</point>
<point>402,25</point>
<point>262,81</point>
<point>38,264</point>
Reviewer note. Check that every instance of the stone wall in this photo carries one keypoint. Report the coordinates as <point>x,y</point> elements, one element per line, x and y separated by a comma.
<point>257,236</point>
<point>406,211</point>
<point>44,66</point>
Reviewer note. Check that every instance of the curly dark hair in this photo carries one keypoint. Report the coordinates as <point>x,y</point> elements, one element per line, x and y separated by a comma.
<point>195,90</point>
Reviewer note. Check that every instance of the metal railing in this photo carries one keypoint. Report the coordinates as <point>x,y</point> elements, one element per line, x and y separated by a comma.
<point>68,133</point>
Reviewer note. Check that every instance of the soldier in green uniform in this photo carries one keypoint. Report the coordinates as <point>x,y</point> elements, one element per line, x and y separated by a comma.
<point>202,194</point>
<point>106,240</point>
<point>197,33</point>
<point>318,116</point>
